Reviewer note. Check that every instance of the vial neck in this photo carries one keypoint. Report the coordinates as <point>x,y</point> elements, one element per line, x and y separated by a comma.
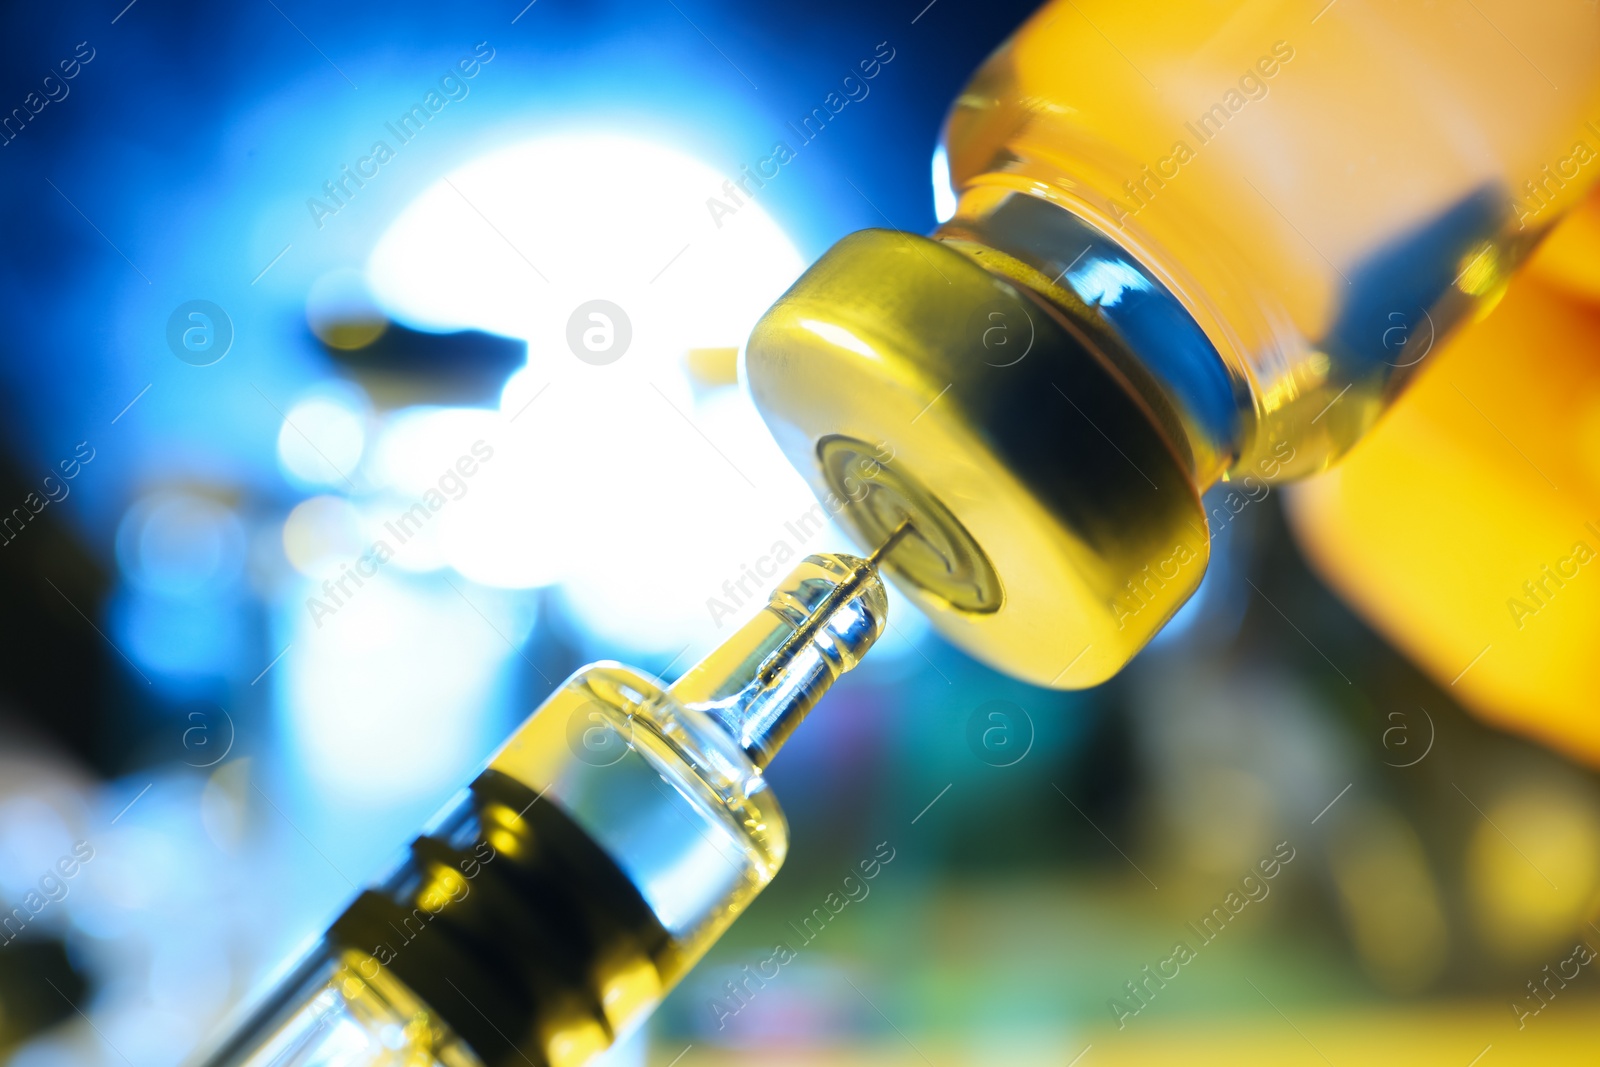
<point>762,682</point>
<point>1203,407</point>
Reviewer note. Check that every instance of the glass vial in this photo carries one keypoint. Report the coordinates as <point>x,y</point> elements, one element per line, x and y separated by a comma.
<point>1190,241</point>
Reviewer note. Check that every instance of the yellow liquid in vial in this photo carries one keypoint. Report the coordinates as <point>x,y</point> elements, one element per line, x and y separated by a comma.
<point>1263,158</point>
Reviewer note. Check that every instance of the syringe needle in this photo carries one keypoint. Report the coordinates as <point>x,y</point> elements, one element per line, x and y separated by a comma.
<point>862,571</point>
<point>889,542</point>
<point>764,679</point>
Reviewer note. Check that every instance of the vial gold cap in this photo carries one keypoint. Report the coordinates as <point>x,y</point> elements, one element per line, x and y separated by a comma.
<point>1054,527</point>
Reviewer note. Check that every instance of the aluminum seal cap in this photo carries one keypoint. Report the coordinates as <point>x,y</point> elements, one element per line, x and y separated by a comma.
<point>1055,528</point>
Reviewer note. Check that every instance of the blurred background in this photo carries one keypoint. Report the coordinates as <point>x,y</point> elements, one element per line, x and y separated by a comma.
<point>278,272</point>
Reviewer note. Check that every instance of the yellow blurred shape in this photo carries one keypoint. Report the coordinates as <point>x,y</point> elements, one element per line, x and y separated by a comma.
<point>444,886</point>
<point>1569,259</point>
<point>1424,1035</point>
<point>224,801</point>
<point>713,366</point>
<point>341,312</point>
<point>1389,898</point>
<point>504,829</point>
<point>349,334</point>
<point>1532,868</point>
<point>1467,525</point>
<point>1457,1034</point>
<point>632,985</point>
<point>577,1044</point>
<point>1481,271</point>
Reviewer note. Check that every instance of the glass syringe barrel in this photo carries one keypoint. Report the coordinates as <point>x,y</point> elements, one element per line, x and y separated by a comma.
<point>763,681</point>
<point>548,909</point>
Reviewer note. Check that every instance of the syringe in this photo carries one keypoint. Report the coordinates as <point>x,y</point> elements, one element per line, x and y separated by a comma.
<point>548,909</point>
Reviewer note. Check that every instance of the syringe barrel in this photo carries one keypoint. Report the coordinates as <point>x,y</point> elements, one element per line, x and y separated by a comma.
<point>545,912</point>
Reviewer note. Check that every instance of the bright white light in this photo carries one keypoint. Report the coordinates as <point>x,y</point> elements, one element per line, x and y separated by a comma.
<point>689,524</point>
<point>32,836</point>
<point>944,197</point>
<point>515,241</point>
<point>420,445</point>
<point>616,479</point>
<point>835,334</point>
<point>437,458</point>
<point>1102,282</point>
<point>321,439</point>
<point>404,528</point>
<point>321,533</point>
<point>390,695</point>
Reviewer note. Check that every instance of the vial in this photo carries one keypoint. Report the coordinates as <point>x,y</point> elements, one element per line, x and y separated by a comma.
<point>551,905</point>
<point>1186,243</point>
